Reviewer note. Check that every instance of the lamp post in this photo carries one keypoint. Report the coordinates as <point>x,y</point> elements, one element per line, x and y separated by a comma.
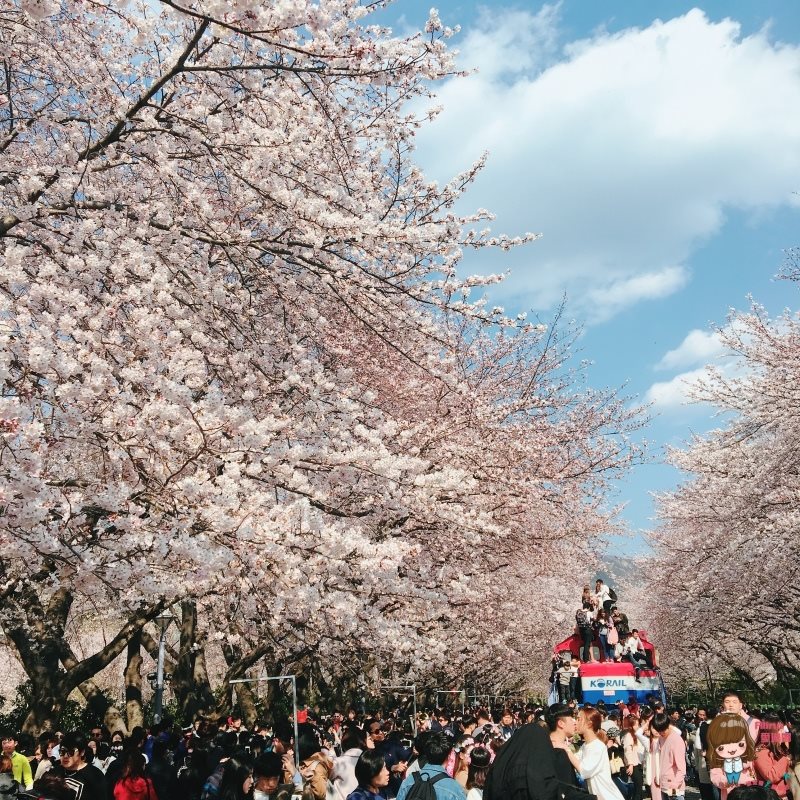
<point>163,621</point>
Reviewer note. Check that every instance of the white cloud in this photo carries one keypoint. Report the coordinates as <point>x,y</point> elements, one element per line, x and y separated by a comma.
<point>513,42</point>
<point>698,347</point>
<point>674,393</point>
<point>604,302</point>
<point>626,153</point>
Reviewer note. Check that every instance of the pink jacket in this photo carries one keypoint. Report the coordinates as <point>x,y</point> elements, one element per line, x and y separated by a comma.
<point>672,763</point>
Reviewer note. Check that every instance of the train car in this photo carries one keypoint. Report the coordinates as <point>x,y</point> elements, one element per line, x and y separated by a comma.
<point>612,681</point>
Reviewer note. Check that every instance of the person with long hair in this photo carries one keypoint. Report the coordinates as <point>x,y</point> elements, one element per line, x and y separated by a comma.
<point>772,761</point>
<point>593,757</point>
<point>464,745</point>
<point>604,626</point>
<point>315,766</point>
<point>648,739</point>
<point>237,780</point>
<point>730,752</point>
<point>372,775</point>
<point>480,760</point>
<point>633,760</point>
<point>133,784</point>
<point>343,775</point>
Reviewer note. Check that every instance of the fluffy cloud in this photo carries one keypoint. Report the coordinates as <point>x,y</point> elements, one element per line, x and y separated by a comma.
<point>606,301</point>
<point>673,393</point>
<point>625,150</point>
<point>699,347</point>
<point>697,350</point>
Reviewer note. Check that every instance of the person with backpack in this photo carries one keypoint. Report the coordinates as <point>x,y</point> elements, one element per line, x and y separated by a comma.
<point>432,781</point>
<point>605,595</point>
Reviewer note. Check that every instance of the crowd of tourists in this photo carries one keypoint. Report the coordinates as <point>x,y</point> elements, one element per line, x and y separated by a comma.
<point>518,752</point>
<point>599,622</point>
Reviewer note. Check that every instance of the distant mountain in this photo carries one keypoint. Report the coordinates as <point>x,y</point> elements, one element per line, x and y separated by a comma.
<point>621,569</point>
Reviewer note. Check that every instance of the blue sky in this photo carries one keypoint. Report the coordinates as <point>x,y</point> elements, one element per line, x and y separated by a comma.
<point>656,146</point>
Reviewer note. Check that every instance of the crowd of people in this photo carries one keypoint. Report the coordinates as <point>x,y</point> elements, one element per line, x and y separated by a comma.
<point>599,624</point>
<point>518,752</point>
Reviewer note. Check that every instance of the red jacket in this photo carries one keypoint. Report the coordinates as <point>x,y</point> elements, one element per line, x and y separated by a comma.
<point>768,768</point>
<point>135,789</point>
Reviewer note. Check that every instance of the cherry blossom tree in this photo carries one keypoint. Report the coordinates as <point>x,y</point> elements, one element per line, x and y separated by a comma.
<point>729,534</point>
<point>239,371</point>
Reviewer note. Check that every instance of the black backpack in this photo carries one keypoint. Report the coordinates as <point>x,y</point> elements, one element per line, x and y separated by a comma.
<point>612,594</point>
<point>422,788</point>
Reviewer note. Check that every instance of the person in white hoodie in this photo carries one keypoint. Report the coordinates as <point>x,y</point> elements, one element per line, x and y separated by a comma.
<point>343,776</point>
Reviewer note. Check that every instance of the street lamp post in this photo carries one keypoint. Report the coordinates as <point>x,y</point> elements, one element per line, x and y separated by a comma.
<point>163,621</point>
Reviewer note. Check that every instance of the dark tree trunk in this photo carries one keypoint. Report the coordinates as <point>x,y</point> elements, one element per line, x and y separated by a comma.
<point>37,632</point>
<point>133,682</point>
<point>190,683</point>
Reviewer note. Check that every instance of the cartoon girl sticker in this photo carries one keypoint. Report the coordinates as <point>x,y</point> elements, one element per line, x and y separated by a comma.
<point>730,753</point>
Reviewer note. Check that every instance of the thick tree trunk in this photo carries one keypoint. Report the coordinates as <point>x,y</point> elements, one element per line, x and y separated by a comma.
<point>246,699</point>
<point>190,683</point>
<point>133,683</point>
<point>37,632</point>
<point>46,703</point>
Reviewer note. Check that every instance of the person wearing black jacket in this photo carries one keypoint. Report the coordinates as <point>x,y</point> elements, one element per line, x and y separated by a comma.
<point>563,726</point>
<point>525,768</point>
<point>389,744</point>
<point>85,780</point>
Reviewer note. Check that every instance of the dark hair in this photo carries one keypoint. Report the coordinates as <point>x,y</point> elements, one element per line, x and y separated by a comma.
<point>369,766</point>
<point>74,740</point>
<point>103,750</point>
<point>353,737</point>
<point>437,748</point>
<point>753,793</point>
<point>480,760</point>
<point>234,774</point>
<point>54,787</point>
<point>268,765</point>
<point>228,743</point>
<point>133,763</point>
<point>192,775</point>
<point>557,712</point>
<point>137,736</point>
<point>660,723</point>
<point>307,745</point>
<point>283,732</point>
